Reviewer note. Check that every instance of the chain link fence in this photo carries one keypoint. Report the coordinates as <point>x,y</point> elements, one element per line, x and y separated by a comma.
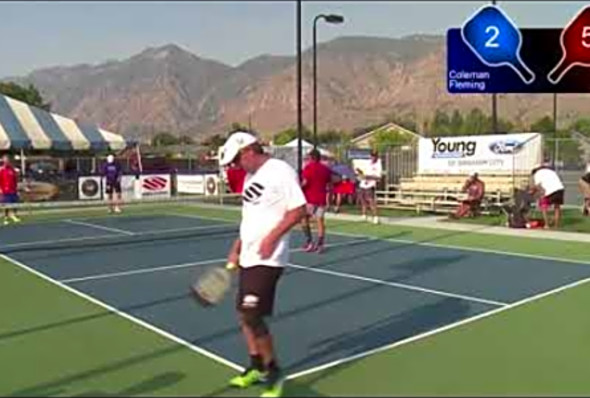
<point>568,155</point>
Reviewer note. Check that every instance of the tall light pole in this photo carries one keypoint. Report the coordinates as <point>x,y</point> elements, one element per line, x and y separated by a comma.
<point>494,105</point>
<point>299,91</point>
<point>555,147</point>
<point>329,18</point>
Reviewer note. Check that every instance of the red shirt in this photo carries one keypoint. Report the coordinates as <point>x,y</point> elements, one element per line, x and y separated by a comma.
<point>317,176</point>
<point>8,180</point>
<point>475,190</point>
<point>235,179</point>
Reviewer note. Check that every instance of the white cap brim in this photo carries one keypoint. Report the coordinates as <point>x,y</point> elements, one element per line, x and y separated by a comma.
<point>228,155</point>
<point>233,145</point>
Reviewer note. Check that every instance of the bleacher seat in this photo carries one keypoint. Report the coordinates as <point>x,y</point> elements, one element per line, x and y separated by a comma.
<point>442,192</point>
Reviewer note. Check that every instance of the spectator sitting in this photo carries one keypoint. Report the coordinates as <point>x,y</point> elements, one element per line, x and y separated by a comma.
<point>584,187</point>
<point>344,185</point>
<point>475,189</point>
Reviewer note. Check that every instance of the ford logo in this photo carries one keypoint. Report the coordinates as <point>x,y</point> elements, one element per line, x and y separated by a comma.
<point>506,147</point>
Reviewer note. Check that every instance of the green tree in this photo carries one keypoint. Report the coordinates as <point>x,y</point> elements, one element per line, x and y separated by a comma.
<point>386,138</point>
<point>543,125</point>
<point>235,126</point>
<point>329,137</point>
<point>164,139</point>
<point>456,123</point>
<point>582,126</point>
<point>407,121</point>
<point>476,122</point>
<point>186,140</point>
<point>29,94</point>
<point>214,141</point>
<point>290,134</point>
<point>441,124</point>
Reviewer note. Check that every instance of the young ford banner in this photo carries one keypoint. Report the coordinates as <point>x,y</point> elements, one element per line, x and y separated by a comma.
<point>501,153</point>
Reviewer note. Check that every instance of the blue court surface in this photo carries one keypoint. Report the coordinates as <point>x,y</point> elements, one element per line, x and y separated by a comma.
<point>360,294</point>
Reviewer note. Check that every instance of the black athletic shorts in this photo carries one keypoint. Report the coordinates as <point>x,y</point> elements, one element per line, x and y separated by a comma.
<point>113,187</point>
<point>256,289</point>
<point>556,198</point>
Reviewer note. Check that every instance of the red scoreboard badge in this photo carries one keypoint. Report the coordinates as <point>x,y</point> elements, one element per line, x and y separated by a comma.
<point>575,45</point>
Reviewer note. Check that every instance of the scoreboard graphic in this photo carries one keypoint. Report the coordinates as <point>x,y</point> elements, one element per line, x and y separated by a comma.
<point>490,54</point>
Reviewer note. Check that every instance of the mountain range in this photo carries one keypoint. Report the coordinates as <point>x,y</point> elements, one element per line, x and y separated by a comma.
<point>361,81</point>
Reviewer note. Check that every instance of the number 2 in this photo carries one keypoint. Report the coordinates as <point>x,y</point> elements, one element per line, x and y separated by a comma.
<point>585,33</point>
<point>491,43</point>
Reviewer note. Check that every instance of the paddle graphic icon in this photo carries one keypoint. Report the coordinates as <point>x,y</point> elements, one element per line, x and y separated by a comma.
<point>575,45</point>
<point>496,40</point>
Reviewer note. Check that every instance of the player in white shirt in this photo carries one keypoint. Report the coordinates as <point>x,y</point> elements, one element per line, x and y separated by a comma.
<point>273,203</point>
<point>546,180</point>
<point>369,177</point>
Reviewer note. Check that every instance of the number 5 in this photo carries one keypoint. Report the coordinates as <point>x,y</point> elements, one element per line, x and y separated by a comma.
<point>491,43</point>
<point>585,33</point>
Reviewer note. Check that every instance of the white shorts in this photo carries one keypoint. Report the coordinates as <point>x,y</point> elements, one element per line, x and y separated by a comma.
<point>315,210</point>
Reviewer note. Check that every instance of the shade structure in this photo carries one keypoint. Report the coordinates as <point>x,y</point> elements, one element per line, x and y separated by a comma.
<point>307,146</point>
<point>30,128</point>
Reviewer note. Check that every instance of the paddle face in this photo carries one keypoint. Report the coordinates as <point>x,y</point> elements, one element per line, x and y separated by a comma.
<point>212,286</point>
<point>496,40</point>
<point>575,45</point>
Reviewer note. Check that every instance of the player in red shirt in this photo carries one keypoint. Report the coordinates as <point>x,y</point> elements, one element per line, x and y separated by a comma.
<point>316,178</point>
<point>9,187</point>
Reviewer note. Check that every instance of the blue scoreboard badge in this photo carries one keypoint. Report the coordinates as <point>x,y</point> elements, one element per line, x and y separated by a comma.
<point>490,54</point>
<point>496,41</point>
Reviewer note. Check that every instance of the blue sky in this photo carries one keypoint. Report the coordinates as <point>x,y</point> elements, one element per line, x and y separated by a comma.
<point>43,34</point>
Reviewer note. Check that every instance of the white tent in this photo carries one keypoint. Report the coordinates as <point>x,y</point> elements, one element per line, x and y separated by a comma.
<point>307,146</point>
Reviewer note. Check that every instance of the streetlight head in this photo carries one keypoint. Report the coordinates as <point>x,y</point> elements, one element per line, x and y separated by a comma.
<point>334,18</point>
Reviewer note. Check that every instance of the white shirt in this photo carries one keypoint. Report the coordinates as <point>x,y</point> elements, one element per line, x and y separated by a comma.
<point>548,180</point>
<point>371,170</point>
<point>268,194</point>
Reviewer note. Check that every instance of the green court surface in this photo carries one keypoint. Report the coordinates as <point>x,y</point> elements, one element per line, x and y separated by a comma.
<point>55,342</point>
<point>572,220</point>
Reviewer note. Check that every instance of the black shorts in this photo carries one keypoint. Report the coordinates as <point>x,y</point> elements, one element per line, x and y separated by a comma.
<point>556,198</point>
<point>113,187</point>
<point>256,290</point>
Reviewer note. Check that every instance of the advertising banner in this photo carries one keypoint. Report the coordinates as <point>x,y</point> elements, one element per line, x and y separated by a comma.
<point>501,153</point>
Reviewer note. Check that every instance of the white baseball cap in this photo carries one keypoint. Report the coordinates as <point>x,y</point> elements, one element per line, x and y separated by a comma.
<point>234,144</point>
<point>110,159</point>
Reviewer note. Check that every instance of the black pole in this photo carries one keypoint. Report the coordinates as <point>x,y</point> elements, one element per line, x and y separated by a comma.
<point>494,105</point>
<point>299,93</point>
<point>315,82</point>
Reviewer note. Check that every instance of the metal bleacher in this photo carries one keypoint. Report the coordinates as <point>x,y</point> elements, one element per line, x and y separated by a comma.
<point>442,193</point>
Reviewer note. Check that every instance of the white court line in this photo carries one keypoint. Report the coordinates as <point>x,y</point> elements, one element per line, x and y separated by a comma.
<point>399,285</point>
<point>125,315</point>
<point>439,330</point>
<point>471,249</point>
<point>142,271</point>
<point>101,227</point>
<point>65,240</point>
<point>184,265</point>
<point>426,244</point>
<point>142,233</point>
